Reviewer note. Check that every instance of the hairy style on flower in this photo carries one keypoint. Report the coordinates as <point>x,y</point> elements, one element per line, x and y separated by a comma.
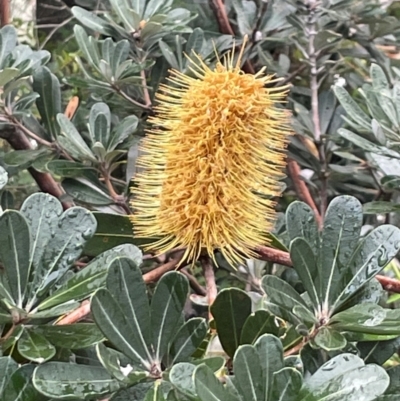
<point>212,161</point>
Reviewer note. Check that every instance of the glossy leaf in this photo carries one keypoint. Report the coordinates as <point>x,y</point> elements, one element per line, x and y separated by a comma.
<point>188,339</point>
<point>329,339</point>
<point>259,323</point>
<point>339,239</point>
<point>35,347</point>
<point>74,228</point>
<point>15,247</point>
<point>71,336</point>
<point>166,310</point>
<point>92,277</point>
<point>300,223</point>
<point>286,385</point>
<point>374,252</point>
<point>305,264</point>
<point>49,103</point>
<point>69,381</point>
<point>42,212</point>
<point>112,230</point>
<point>7,367</point>
<point>345,376</point>
<point>230,309</point>
<point>285,296</point>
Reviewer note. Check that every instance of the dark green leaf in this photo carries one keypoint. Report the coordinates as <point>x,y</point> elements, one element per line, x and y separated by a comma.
<point>188,339</point>
<point>15,247</point>
<point>287,384</point>
<point>339,239</point>
<point>231,309</point>
<point>112,230</point>
<point>7,367</point>
<point>69,381</point>
<point>166,310</point>
<point>35,347</point>
<point>329,339</point>
<point>49,103</point>
<point>259,323</point>
<point>72,336</point>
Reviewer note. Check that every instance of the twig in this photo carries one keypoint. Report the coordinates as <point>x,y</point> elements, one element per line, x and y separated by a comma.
<point>45,181</point>
<point>4,12</point>
<point>209,276</point>
<point>146,93</point>
<point>283,258</point>
<point>129,99</point>
<point>225,27</point>
<point>312,55</point>
<point>150,277</point>
<point>54,30</point>
<point>196,287</point>
<point>302,190</point>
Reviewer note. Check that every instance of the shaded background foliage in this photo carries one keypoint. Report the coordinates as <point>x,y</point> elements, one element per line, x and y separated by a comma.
<point>85,315</point>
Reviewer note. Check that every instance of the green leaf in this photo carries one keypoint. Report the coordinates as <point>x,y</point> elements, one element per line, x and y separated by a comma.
<point>92,277</point>
<point>7,74</point>
<point>86,192</point>
<point>343,377</point>
<point>74,228</point>
<point>259,323</point>
<point>369,319</point>
<point>72,336</point>
<point>340,236</point>
<point>8,40</point>
<point>248,375</point>
<point>120,368</point>
<point>100,123</point>
<point>168,55</point>
<point>25,158</point>
<point>300,222</point>
<point>285,296</point>
<point>124,129</point>
<point>68,168</point>
<point>20,387</point>
<point>377,207</point>
<point>353,110</point>
<point>329,339</point>
<point>188,339</point>
<point>327,106</point>
<point>231,309</point>
<point>126,286</point>
<point>304,263</point>
<point>373,253</point>
<point>14,252</point>
<point>166,310</point>
<point>42,212</point>
<point>112,230</point>
<point>287,384</point>
<point>49,103</point>
<point>365,144</point>
<point>70,381</point>
<point>378,352</point>
<point>195,42</point>
<point>87,46</point>
<point>109,317</point>
<point>181,376</point>
<point>35,347</point>
<point>208,387</point>
<point>73,137</point>
<point>92,21</point>
<point>7,367</point>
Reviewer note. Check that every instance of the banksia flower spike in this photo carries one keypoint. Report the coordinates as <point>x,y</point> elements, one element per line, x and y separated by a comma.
<point>211,162</point>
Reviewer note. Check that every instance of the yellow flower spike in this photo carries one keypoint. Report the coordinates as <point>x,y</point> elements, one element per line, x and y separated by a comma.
<point>211,162</point>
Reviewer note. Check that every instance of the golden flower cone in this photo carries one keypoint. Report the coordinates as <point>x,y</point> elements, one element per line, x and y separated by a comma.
<point>211,162</point>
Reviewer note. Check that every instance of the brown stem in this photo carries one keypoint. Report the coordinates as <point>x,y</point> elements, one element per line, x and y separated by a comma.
<point>45,181</point>
<point>196,287</point>
<point>146,93</point>
<point>209,276</point>
<point>219,10</point>
<point>150,277</point>
<point>129,99</point>
<point>4,12</point>
<point>312,54</point>
<point>302,190</point>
